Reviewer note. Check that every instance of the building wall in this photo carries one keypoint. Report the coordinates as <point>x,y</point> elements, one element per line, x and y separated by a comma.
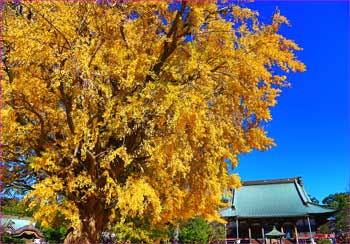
<point>287,225</point>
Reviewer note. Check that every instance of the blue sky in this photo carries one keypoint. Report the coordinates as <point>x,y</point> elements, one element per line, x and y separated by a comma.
<point>310,122</point>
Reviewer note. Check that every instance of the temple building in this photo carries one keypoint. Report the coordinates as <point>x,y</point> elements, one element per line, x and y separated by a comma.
<point>259,207</point>
<point>21,228</point>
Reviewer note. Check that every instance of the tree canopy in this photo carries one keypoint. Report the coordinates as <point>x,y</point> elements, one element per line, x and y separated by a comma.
<point>340,202</point>
<point>14,207</point>
<point>118,111</point>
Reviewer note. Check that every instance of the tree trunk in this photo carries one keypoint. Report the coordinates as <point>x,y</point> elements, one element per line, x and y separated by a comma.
<point>75,235</point>
<point>177,233</point>
<point>94,221</point>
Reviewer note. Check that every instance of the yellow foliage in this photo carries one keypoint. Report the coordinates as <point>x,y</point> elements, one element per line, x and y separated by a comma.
<point>113,114</point>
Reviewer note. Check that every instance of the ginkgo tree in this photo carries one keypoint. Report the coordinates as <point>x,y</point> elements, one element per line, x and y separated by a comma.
<point>116,111</point>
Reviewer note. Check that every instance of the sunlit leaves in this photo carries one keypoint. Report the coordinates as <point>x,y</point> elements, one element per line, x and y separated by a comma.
<point>133,110</point>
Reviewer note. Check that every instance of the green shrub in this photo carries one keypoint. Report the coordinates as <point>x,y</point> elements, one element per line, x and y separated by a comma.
<point>195,230</point>
<point>324,241</point>
<point>10,239</point>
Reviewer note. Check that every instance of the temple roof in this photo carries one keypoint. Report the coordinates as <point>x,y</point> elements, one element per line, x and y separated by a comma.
<point>20,227</point>
<point>273,198</point>
<point>28,230</point>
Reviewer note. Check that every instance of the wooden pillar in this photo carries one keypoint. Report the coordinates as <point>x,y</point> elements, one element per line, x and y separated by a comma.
<point>177,232</point>
<point>308,221</point>
<point>281,237</point>
<point>225,234</point>
<point>263,234</point>
<point>296,234</point>
<point>250,235</point>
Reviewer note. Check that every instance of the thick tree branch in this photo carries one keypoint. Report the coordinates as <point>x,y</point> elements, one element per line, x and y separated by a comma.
<point>83,22</point>
<point>27,106</point>
<point>218,66</point>
<point>168,48</point>
<point>67,101</point>
<point>95,51</point>
<point>22,186</point>
<point>49,22</point>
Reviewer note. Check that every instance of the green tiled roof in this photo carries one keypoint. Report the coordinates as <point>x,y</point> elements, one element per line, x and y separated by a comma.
<point>274,233</point>
<point>272,198</point>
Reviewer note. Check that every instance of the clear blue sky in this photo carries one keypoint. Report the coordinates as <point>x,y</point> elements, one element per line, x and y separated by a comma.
<point>310,122</point>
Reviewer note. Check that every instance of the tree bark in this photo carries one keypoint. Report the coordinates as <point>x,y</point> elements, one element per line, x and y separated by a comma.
<point>94,219</point>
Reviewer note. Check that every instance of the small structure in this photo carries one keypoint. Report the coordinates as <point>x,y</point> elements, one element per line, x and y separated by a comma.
<point>274,234</point>
<point>20,228</point>
<point>259,205</point>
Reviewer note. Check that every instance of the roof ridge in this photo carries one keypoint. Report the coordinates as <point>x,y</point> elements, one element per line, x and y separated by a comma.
<point>273,181</point>
<point>301,193</point>
<point>321,205</point>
